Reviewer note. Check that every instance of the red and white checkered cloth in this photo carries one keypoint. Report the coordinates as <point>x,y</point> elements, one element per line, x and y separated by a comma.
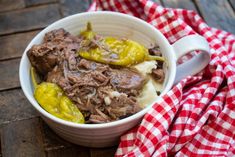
<point>197,117</point>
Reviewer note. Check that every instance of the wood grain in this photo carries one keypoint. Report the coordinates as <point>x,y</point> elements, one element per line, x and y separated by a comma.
<point>104,152</point>
<point>55,146</point>
<point>7,5</point>
<point>14,106</point>
<point>9,74</point>
<point>69,7</point>
<point>13,46</point>
<point>69,152</point>
<point>51,141</point>
<point>219,14</point>
<point>28,19</point>
<point>0,145</point>
<point>29,3</point>
<point>183,4</point>
<point>22,139</point>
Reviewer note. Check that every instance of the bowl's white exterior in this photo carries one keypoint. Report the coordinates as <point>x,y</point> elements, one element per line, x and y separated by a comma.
<point>109,24</point>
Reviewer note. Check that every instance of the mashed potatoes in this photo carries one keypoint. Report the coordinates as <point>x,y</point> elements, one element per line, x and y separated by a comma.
<point>146,67</point>
<point>148,95</point>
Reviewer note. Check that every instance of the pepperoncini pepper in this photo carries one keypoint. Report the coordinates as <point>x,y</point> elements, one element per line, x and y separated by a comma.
<point>52,98</point>
<point>88,33</point>
<point>114,51</point>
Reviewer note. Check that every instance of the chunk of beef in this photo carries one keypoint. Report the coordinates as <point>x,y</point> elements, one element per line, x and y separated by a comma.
<point>55,75</point>
<point>155,51</point>
<point>123,105</point>
<point>126,80</point>
<point>43,57</point>
<point>88,65</point>
<point>58,45</point>
<point>89,73</point>
<point>158,75</point>
<point>60,35</point>
<point>92,66</point>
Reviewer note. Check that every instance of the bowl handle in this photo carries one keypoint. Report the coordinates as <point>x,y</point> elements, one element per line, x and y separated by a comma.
<point>195,64</point>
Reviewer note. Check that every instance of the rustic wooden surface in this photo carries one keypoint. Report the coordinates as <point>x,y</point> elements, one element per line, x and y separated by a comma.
<point>22,132</point>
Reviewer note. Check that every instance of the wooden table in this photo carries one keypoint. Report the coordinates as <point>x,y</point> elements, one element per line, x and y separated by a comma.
<point>22,132</point>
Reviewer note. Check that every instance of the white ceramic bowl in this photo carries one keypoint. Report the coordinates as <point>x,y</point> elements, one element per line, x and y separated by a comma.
<point>119,25</point>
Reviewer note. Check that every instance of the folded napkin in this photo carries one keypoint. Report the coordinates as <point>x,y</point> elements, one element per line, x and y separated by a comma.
<point>197,117</point>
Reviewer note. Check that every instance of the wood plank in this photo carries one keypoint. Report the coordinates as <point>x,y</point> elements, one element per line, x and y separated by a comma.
<point>22,139</point>
<point>183,4</point>
<point>14,106</point>
<point>9,74</point>
<point>220,14</point>
<point>56,146</point>
<point>28,19</point>
<point>52,141</point>
<point>8,5</point>
<point>69,7</point>
<point>29,3</point>
<point>104,152</point>
<point>0,145</point>
<point>13,46</point>
<point>69,152</point>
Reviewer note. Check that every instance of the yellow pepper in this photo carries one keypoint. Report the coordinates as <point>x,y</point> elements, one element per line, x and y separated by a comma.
<point>116,51</point>
<point>88,33</point>
<point>52,98</point>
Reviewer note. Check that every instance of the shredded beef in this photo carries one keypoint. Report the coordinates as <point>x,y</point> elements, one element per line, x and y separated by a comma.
<point>126,80</point>
<point>56,46</point>
<point>155,51</point>
<point>158,75</point>
<point>102,93</point>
